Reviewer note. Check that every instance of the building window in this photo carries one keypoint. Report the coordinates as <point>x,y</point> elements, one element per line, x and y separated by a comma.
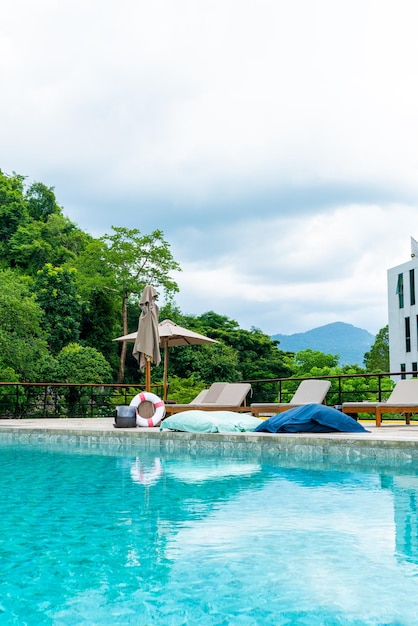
<point>412,286</point>
<point>407,335</point>
<point>399,290</point>
<point>414,369</point>
<point>403,369</point>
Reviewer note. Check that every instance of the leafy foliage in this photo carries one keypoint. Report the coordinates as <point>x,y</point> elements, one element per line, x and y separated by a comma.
<point>57,295</point>
<point>13,209</point>
<point>82,364</point>
<point>99,324</point>
<point>136,260</point>
<point>311,363</point>
<point>22,340</point>
<point>41,202</point>
<point>377,359</point>
<point>33,230</point>
<point>36,243</point>
<point>183,390</point>
<point>133,261</point>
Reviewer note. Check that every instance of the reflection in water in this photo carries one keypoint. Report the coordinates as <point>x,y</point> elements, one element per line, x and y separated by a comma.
<point>146,476</point>
<point>203,471</point>
<point>195,471</point>
<point>405,499</point>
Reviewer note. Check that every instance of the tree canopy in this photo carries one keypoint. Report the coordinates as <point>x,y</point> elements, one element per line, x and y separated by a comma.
<point>23,342</point>
<point>377,359</point>
<point>56,293</point>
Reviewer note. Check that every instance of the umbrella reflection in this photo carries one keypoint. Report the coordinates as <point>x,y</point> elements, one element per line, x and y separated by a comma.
<point>146,476</point>
<point>208,471</point>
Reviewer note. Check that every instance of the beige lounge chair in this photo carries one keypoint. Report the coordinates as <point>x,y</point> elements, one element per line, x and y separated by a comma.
<point>219,397</point>
<point>403,399</point>
<point>209,395</point>
<point>308,392</point>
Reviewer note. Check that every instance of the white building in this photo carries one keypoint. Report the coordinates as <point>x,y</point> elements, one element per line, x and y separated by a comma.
<point>403,314</point>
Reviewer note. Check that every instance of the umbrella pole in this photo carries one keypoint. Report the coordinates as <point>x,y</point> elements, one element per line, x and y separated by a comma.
<point>165,379</point>
<point>147,374</point>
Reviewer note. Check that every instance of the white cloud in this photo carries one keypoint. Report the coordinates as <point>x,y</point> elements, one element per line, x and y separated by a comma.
<point>289,275</point>
<point>274,142</point>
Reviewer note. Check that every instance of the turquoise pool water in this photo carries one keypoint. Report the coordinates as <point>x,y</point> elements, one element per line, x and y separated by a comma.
<point>108,537</point>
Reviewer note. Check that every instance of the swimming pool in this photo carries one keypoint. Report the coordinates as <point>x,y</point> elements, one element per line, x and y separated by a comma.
<point>155,536</point>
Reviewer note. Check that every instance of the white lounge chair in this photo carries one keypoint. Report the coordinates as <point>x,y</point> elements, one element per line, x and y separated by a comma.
<point>403,399</point>
<point>308,392</point>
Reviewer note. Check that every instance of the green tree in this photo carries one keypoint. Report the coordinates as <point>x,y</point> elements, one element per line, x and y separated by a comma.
<point>100,325</point>
<point>28,249</point>
<point>82,364</point>
<point>131,261</point>
<point>306,361</point>
<point>57,294</point>
<point>22,341</point>
<point>13,208</point>
<point>377,359</point>
<point>41,202</point>
<point>56,240</point>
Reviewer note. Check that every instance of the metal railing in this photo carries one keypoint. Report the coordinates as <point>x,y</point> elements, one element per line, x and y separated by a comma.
<point>66,400</point>
<point>364,386</point>
<point>39,400</point>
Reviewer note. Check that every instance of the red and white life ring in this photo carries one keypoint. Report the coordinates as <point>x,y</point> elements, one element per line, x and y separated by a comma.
<point>159,408</point>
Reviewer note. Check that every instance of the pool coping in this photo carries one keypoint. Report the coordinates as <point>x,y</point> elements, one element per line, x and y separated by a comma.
<point>387,442</point>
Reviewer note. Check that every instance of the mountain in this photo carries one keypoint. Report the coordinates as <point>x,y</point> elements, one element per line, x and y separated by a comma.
<point>347,340</point>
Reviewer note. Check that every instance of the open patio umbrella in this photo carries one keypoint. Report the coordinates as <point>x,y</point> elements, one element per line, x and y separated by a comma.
<point>172,334</point>
<point>147,339</point>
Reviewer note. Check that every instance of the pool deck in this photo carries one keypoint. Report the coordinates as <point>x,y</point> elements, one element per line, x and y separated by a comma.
<point>390,441</point>
<point>387,432</point>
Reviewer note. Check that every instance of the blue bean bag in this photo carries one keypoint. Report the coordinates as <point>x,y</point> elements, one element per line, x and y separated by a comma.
<point>311,418</point>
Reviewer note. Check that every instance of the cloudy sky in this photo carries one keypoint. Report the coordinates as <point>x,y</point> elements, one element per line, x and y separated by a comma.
<point>274,142</point>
